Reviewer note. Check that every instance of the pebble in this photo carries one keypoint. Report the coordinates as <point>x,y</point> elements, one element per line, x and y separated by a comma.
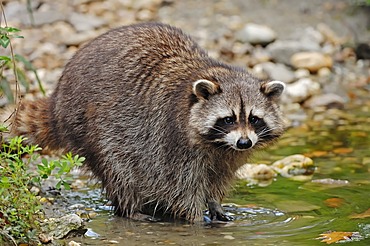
<point>300,90</point>
<point>277,71</point>
<point>85,22</point>
<point>256,34</point>
<point>77,206</point>
<point>329,100</point>
<point>313,61</point>
<point>324,72</point>
<point>282,50</point>
<point>229,237</point>
<point>73,243</point>
<point>44,17</point>
<point>329,35</point>
<point>301,73</point>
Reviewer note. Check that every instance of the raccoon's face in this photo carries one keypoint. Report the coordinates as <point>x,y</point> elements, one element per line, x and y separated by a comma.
<point>237,115</point>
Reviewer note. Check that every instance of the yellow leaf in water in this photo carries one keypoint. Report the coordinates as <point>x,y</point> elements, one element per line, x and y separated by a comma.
<point>343,150</point>
<point>365,214</point>
<point>335,236</point>
<point>334,202</point>
<point>317,153</point>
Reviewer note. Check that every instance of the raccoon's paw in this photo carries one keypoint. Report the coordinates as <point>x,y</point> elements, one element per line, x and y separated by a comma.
<point>217,213</point>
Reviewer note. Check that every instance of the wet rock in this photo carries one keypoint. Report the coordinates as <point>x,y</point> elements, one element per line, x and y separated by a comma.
<point>326,100</point>
<point>282,50</point>
<point>58,228</point>
<point>256,174</point>
<point>297,167</point>
<point>333,182</point>
<point>300,90</point>
<point>256,34</point>
<point>277,71</point>
<point>77,206</point>
<point>73,243</point>
<point>84,22</point>
<point>313,61</point>
<point>229,237</point>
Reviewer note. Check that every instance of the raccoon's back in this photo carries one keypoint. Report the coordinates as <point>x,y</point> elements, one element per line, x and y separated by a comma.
<point>129,81</point>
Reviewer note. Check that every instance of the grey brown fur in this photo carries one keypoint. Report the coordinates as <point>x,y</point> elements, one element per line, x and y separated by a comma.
<point>128,102</point>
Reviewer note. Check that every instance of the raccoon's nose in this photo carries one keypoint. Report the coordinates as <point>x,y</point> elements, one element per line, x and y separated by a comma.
<point>244,143</point>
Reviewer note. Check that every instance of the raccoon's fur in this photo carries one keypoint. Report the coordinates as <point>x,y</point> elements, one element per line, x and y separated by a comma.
<point>161,124</point>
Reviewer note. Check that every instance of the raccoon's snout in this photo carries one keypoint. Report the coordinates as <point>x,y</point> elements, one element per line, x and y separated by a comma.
<point>243,143</point>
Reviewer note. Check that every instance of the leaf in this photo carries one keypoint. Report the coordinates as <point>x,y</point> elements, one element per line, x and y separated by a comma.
<point>5,58</point>
<point>335,236</point>
<point>334,202</point>
<point>5,87</point>
<point>365,214</point>
<point>317,153</point>
<point>30,67</point>
<point>4,41</point>
<point>11,29</point>
<point>21,76</point>
<point>343,150</point>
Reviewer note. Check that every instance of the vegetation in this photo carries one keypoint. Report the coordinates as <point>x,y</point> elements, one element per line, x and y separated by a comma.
<point>21,212</point>
<point>14,62</point>
<point>20,208</point>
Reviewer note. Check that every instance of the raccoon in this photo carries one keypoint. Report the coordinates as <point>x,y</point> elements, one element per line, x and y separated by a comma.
<point>160,123</point>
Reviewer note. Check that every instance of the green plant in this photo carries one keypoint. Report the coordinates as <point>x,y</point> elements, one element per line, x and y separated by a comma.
<point>20,209</point>
<point>59,169</point>
<point>14,62</point>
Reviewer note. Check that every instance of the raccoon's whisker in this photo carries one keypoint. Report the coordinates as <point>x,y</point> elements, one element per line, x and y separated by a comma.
<point>220,130</point>
<point>223,146</point>
<point>265,131</point>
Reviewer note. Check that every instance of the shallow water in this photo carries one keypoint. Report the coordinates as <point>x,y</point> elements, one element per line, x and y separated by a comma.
<point>287,212</point>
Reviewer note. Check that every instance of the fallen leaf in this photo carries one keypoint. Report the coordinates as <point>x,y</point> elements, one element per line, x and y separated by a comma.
<point>335,236</point>
<point>334,202</point>
<point>317,153</point>
<point>343,150</point>
<point>365,214</point>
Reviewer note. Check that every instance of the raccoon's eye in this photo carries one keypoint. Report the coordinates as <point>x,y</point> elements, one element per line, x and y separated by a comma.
<point>254,120</point>
<point>229,120</point>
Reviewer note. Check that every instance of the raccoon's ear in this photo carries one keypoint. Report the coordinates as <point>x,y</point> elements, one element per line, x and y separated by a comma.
<point>204,88</point>
<point>273,89</point>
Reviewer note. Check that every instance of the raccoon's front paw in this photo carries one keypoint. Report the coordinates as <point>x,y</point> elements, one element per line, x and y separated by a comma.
<point>217,213</point>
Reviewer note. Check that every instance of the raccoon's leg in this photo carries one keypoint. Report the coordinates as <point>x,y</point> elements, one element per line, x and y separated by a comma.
<point>216,211</point>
